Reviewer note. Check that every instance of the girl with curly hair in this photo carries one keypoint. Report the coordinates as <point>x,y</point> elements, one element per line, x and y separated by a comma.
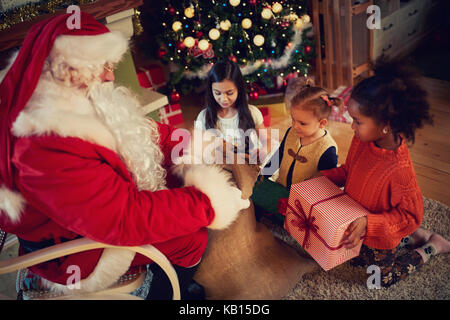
<point>387,109</point>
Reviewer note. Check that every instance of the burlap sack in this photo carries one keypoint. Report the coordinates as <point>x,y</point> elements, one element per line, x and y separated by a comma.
<point>246,261</point>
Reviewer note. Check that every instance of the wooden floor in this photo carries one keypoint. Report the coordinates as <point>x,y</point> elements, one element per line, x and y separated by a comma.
<point>430,153</point>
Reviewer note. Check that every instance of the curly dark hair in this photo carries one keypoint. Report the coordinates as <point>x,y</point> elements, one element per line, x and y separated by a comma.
<point>394,97</point>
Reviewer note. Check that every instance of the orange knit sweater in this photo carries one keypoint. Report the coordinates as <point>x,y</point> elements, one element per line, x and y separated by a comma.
<point>384,182</point>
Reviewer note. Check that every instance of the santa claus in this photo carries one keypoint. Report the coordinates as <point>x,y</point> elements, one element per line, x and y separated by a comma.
<point>79,160</point>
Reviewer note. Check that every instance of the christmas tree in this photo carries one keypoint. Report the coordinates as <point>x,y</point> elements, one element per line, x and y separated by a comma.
<point>271,41</point>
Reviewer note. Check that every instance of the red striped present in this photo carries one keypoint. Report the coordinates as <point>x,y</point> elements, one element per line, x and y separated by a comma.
<point>171,114</point>
<point>317,215</point>
<point>341,115</point>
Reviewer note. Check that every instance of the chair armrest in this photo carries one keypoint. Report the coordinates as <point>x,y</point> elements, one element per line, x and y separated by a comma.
<point>84,244</point>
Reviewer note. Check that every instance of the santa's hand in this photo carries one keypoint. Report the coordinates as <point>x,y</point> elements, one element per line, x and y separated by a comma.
<point>225,198</point>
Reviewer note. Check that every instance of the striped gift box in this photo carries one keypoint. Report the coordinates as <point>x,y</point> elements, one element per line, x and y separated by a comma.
<point>317,215</point>
<point>341,115</point>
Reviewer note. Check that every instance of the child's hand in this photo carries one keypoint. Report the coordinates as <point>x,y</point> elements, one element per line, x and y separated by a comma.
<point>354,233</point>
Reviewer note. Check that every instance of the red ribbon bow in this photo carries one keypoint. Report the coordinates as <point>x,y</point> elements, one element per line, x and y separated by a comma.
<point>306,222</point>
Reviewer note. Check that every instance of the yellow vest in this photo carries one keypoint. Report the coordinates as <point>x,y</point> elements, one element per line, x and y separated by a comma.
<point>303,170</point>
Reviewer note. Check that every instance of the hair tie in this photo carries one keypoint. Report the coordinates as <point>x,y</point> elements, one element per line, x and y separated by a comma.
<point>326,98</point>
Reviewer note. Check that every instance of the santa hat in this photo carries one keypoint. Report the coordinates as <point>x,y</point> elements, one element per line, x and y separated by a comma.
<point>90,45</point>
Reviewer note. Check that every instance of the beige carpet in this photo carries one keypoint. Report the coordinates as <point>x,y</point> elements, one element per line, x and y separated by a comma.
<point>431,282</point>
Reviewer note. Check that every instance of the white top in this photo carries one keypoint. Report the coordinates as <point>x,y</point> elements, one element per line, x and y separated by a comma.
<point>229,127</point>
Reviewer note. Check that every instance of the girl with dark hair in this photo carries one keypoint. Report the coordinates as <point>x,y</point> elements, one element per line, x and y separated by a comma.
<point>227,109</point>
<point>387,109</point>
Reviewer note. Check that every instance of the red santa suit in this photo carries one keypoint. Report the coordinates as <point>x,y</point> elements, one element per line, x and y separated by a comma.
<point>72,170</point>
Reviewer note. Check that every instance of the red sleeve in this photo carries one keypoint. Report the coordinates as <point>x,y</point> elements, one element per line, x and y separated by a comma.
<point>339,175</point>
<point>67,180</point>
<point>405,216</point>
<point>172,141</point>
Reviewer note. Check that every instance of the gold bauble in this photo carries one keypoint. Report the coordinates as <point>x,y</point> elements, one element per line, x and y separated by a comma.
<point>189,12</point>
<point>277,7</point>
<point>266,13</point>
<point>225,25</point>
<point>203,44</point>
<point>258,40</point>
<point>214,34</point>
<point>246,23</point>
<point>176,26</point>
<point>189,42</point>
<point>306,19</point>
<point>235,3</point>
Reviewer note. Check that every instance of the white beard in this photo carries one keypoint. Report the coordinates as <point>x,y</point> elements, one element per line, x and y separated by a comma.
<point>109,117</point>
<point>136,137</point>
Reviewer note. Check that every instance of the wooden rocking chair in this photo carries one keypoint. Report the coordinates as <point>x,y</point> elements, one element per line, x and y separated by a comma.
<point>119,291</point>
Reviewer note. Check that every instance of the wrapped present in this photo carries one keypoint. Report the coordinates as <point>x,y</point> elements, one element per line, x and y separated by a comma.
<point>171,114</point>
<point>317,215</point>
<point>341,115</point>
<point>266,115</point>
<point>151,76</point>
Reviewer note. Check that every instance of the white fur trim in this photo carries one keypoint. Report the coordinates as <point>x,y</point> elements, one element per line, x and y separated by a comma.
<point>112,265</point>
<point>225,198</point>
<point>63,111</point>
<point>82,51</point>
<point>12,203</point>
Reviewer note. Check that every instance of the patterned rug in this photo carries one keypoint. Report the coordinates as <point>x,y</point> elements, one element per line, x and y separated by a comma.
<point>345,282</point>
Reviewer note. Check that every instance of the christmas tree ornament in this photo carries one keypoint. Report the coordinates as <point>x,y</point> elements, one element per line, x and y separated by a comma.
<point>174,96</point>
<point>246,23</point>
<point>180,45</point>
<point>264,47</point>
<point>203,44</point>
<point>306,19</point>
<point>254,95</point>
<point>162,52</point>
<point>277,7</point>
<point>258,40</point>
<point>225,25</point>
<point>214,34</point>
<point>298,24</point>
<point>189,42</point>
<point>189,12</point>
<point>171,10</point>
<point>176,26</point>
<point>235,3</point>
<point>266,13</point>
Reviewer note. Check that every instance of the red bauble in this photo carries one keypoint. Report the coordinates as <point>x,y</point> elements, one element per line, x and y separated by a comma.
<point>199,34</point>
<point>180,45</point>
<point>161,52</point>
<point>254,95</point>
<point>171,10</point>
<point>175,96</point>
<point>252,2</point>
<point>307,49</point>
<point>232,58</point>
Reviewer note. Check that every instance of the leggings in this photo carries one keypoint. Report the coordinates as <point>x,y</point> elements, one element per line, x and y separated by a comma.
<point>394,265</point>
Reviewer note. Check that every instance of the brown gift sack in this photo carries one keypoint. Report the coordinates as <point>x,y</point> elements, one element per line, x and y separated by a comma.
<point>245,261</point>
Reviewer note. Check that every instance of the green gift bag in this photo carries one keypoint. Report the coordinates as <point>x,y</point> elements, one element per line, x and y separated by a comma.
<point>266,194</point>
